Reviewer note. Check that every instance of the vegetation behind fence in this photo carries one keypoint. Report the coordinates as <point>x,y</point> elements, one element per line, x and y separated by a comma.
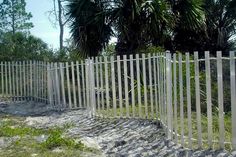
<point>193,98</point>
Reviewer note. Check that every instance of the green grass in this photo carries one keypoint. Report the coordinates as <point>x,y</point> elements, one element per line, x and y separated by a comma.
<point>26,144</point>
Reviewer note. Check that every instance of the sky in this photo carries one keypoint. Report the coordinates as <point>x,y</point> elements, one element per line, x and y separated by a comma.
<point>43,28</point>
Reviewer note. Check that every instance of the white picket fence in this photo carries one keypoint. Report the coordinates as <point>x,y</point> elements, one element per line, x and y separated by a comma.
<point>193,98</point>
<point>25,80</point>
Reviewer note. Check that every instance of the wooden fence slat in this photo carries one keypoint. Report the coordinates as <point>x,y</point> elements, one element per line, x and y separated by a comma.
<point>132,84</point>
<point>175,99</point>
<point>107,84</point>
<point>10,80</point>
<point>233,99</point>
<point>24,80</point>
<point>78,84</point>
<point>169,96</point>
<point>102,84</point>
<point>220,99</point>
<point>197,95</point>
<point>126,85</point>
<point>73,84</point>
<point>68,85</point>
<point>2,79</point>
<point>17,81</point>
<point>87,68</point>
<point>150,84</point>
<point>113,85</point>
<point>209,101</point>
<point>62,74</point>
<point>6,79</point>
<point>159,106</point>
<point>119,86</point>
<point>97,91</point>
<point>92,87</point>
<point>181,101</point>
<point>155,75</point>
<point>57,85</point>
<point>189,101</point>
<point>145,85</point>
<point>138,86</point>
<point>83,83</point>
<point>13,81</point>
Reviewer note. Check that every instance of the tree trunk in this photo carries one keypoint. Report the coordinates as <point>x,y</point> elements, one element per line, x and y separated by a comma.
<point>61,25</point>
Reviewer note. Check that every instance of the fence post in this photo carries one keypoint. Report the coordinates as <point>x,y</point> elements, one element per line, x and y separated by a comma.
<point>138,86</point>
<point>233,99</point>
<point>220,99</point>
<point>169,95</point>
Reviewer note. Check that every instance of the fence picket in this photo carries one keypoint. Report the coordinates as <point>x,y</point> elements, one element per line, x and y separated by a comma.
<point>119,86</point>
<point>220,99</point>
<point>197,94</point>
<point>10,79</point>
<point>107,84</point>
<point>150,84</point>
<point>138,86</point>
<point>181,101</point>
<point>132,84</point>
<point>73,84</point>
<point>169,96</point>
<point>78,84</point>
<point>2,79</point>
<point>113,86</point>
<point>209,101</point>
<point>175,99</point>
<point>189,101</point>
<point>126,86</point>
<point>233,99</point>
<point>83,82</point>
<point>68,85</point>
<point>13,81</point>
<point>6,78</point>
<point>102,84</point>
<point>62,84</point>
<point>145,85</point>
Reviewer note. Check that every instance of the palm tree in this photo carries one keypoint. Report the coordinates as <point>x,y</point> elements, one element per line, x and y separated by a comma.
<point>88,26</point>
<point>135,23</point>
<point>221,24</point>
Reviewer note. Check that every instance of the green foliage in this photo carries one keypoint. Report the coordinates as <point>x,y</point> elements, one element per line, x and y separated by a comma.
<point>13,16</point>
<point>55,140</point>
<point>20,46</point>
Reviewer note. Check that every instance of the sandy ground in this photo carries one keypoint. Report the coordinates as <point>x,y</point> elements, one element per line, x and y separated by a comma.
<point>114,137</point>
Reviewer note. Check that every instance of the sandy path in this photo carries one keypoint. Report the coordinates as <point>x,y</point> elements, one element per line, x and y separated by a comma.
<point>114,137</point>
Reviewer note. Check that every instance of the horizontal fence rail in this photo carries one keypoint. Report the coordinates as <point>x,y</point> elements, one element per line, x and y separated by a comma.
<point>192,96</point>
